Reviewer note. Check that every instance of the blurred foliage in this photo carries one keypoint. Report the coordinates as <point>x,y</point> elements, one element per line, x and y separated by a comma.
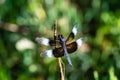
<point>21,21</point>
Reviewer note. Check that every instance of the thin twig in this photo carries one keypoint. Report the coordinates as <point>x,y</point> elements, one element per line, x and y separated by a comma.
<point>59,59</point>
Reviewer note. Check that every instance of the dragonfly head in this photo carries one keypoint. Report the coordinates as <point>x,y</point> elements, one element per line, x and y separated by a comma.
<point>60,37</point>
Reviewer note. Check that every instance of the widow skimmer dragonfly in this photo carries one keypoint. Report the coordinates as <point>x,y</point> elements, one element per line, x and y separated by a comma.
<point>66,46</point>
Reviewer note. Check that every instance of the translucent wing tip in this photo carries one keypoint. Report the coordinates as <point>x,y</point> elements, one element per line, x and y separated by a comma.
<point>42,40</point>
<point>47,53</point>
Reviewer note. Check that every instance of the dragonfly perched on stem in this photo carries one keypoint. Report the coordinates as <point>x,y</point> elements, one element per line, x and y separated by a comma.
<point>65,45</point>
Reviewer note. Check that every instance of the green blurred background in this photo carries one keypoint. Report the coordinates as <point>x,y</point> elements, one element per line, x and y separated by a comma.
<point>21,21</point>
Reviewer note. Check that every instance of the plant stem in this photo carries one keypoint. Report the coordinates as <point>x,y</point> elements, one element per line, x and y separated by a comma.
<point>59,59</point>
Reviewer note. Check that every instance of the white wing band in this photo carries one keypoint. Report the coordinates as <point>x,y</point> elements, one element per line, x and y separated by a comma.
<point>79,42</point>
<point>47,53</point>
<point>43,41</point>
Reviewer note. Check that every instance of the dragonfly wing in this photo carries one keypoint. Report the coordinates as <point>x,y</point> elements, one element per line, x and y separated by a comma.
<point>72,47</point>
<point>72,34</point>
<point>58,52</point>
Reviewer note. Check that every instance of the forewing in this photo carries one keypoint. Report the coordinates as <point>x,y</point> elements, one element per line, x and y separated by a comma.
<point>72,34</point>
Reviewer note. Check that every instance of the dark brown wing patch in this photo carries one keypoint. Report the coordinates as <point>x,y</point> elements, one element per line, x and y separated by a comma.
<point>58,52</point>
<point>70,37</point>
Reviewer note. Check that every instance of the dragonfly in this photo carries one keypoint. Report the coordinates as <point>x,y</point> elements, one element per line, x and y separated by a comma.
<point>66,46</point>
